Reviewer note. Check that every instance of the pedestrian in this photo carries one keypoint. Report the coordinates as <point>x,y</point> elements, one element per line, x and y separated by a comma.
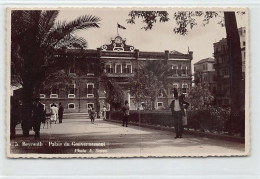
<point>92,114</point>
<point>61,109</point>
<point>126,113</point>
<point>38,116</point>
<point>56,111</point>
<point>53,113</point>
<point>104,112</point>
<point>177,107</point>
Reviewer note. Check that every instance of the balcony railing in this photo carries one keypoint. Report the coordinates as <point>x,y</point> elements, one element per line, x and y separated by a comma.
<point>119,74</point>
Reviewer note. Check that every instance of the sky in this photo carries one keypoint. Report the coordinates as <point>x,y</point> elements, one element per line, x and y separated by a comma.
<point>199,40</point>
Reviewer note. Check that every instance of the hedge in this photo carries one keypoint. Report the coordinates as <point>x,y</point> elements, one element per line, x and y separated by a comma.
<point>211,119</point>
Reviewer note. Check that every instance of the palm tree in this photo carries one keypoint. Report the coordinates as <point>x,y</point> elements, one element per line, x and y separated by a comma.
<point>36,39</point>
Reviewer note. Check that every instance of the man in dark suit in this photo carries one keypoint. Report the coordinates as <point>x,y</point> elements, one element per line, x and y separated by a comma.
<point>61,109</point>
<point>177,107</point>
<point>38,117</point>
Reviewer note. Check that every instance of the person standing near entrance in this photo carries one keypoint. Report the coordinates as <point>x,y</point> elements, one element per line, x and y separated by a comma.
<point>38,116</point>
<point>61,109</point>
<point>126,113</point>
<point>104,112</point>
<point>92,114</point>
<point>177,108</point>
<point>53,113</point>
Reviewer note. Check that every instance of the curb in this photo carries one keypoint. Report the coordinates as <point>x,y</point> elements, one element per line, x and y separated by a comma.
<point>196,133</point>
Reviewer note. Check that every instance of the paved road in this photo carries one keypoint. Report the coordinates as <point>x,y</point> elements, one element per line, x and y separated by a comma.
<point>118,140</point>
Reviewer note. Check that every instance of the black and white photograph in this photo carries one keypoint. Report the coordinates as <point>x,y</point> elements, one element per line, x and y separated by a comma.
<point>117,82</point>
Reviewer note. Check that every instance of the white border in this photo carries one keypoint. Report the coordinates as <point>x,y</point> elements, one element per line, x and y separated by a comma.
<point>234,167</point>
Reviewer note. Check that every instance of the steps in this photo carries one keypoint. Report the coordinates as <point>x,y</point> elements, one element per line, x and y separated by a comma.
<point>75,116</point>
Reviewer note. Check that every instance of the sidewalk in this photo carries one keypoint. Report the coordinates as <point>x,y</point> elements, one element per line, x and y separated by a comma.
<point>132,140</point>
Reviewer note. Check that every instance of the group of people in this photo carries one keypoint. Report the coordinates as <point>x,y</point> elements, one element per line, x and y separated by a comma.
<point>56,113</point>
<point>39,115</point>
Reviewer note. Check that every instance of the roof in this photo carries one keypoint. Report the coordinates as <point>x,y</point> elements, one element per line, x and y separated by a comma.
<point>205,60</point>
<point>176,52</point>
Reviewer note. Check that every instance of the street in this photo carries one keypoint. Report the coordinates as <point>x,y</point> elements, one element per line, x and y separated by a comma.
<point>77,135</point>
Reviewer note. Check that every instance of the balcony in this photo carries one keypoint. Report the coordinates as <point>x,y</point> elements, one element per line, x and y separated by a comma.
<point>120,75</point>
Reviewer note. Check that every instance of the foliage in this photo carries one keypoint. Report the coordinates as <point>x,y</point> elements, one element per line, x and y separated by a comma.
<point>114,93</point>
<point>150,83</point>
<point>210,119</point>
<point>35,38</point>
<point>149,17</point>
<point>199,97</point>
<point>184,19</point>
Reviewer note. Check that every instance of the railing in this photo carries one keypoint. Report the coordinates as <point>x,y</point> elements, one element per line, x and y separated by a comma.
<point>119,74</point>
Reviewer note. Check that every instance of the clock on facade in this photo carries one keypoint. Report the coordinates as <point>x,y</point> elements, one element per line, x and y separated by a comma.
<point>118,40</point>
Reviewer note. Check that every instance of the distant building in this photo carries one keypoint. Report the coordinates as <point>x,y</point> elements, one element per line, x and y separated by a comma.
<point>120,62</point>
<point>204,73</point>
<point>222,77</point>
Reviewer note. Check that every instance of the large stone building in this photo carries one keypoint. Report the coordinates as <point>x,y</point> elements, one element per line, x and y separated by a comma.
<point>222,66</point>
<point>204,73</point>
<point>120,61</point>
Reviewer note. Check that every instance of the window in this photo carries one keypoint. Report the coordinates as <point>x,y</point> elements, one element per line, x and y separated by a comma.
<point>184,88</point>
<point>90,90</point>
<point>72,91</point>
<point>205,67</point>
<point>43,106</point>
<point>118,68</point>
<point>244,43</point>
<point>175,70</point>
<point>184,70</point>
<point>91,68</point>
<point>142,107</point>
<point>108,68</point>
<point>42,93</point>
<point>54,92</point>
<point>159,104</point>
<point>90,105</point>
<point>71,105</point>
<point>128,68</point>
<point>72,70</point>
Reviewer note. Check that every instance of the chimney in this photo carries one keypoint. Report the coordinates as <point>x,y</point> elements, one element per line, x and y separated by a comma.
<point>191,55</point>
<point>137,54</point>
<point>166,54</point>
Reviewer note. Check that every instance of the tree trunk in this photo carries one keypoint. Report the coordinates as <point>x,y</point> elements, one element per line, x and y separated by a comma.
<point>27,99</point>
<point>235,70</point>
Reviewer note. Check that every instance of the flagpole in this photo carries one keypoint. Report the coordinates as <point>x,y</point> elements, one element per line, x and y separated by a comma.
<point>117,29</point>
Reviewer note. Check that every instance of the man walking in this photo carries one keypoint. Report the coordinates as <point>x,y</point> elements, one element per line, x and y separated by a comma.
<point>177,107</point>
<point>126,113</point>
<point>38,117</point>
<point>61,109</point>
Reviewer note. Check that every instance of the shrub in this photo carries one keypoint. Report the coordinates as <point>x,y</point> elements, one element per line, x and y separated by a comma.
<point>210,119</point>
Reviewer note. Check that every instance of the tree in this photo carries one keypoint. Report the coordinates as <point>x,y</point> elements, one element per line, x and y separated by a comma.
<point>114,93</point>
<point>200,97</point>
<point>36,41</point>
<point>186,20</point>
<point>150,84</point>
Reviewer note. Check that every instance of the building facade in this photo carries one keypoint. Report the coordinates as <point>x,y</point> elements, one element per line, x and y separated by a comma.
<point>120,62</point>
<point>204,73</point>
<point>222,68</point>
